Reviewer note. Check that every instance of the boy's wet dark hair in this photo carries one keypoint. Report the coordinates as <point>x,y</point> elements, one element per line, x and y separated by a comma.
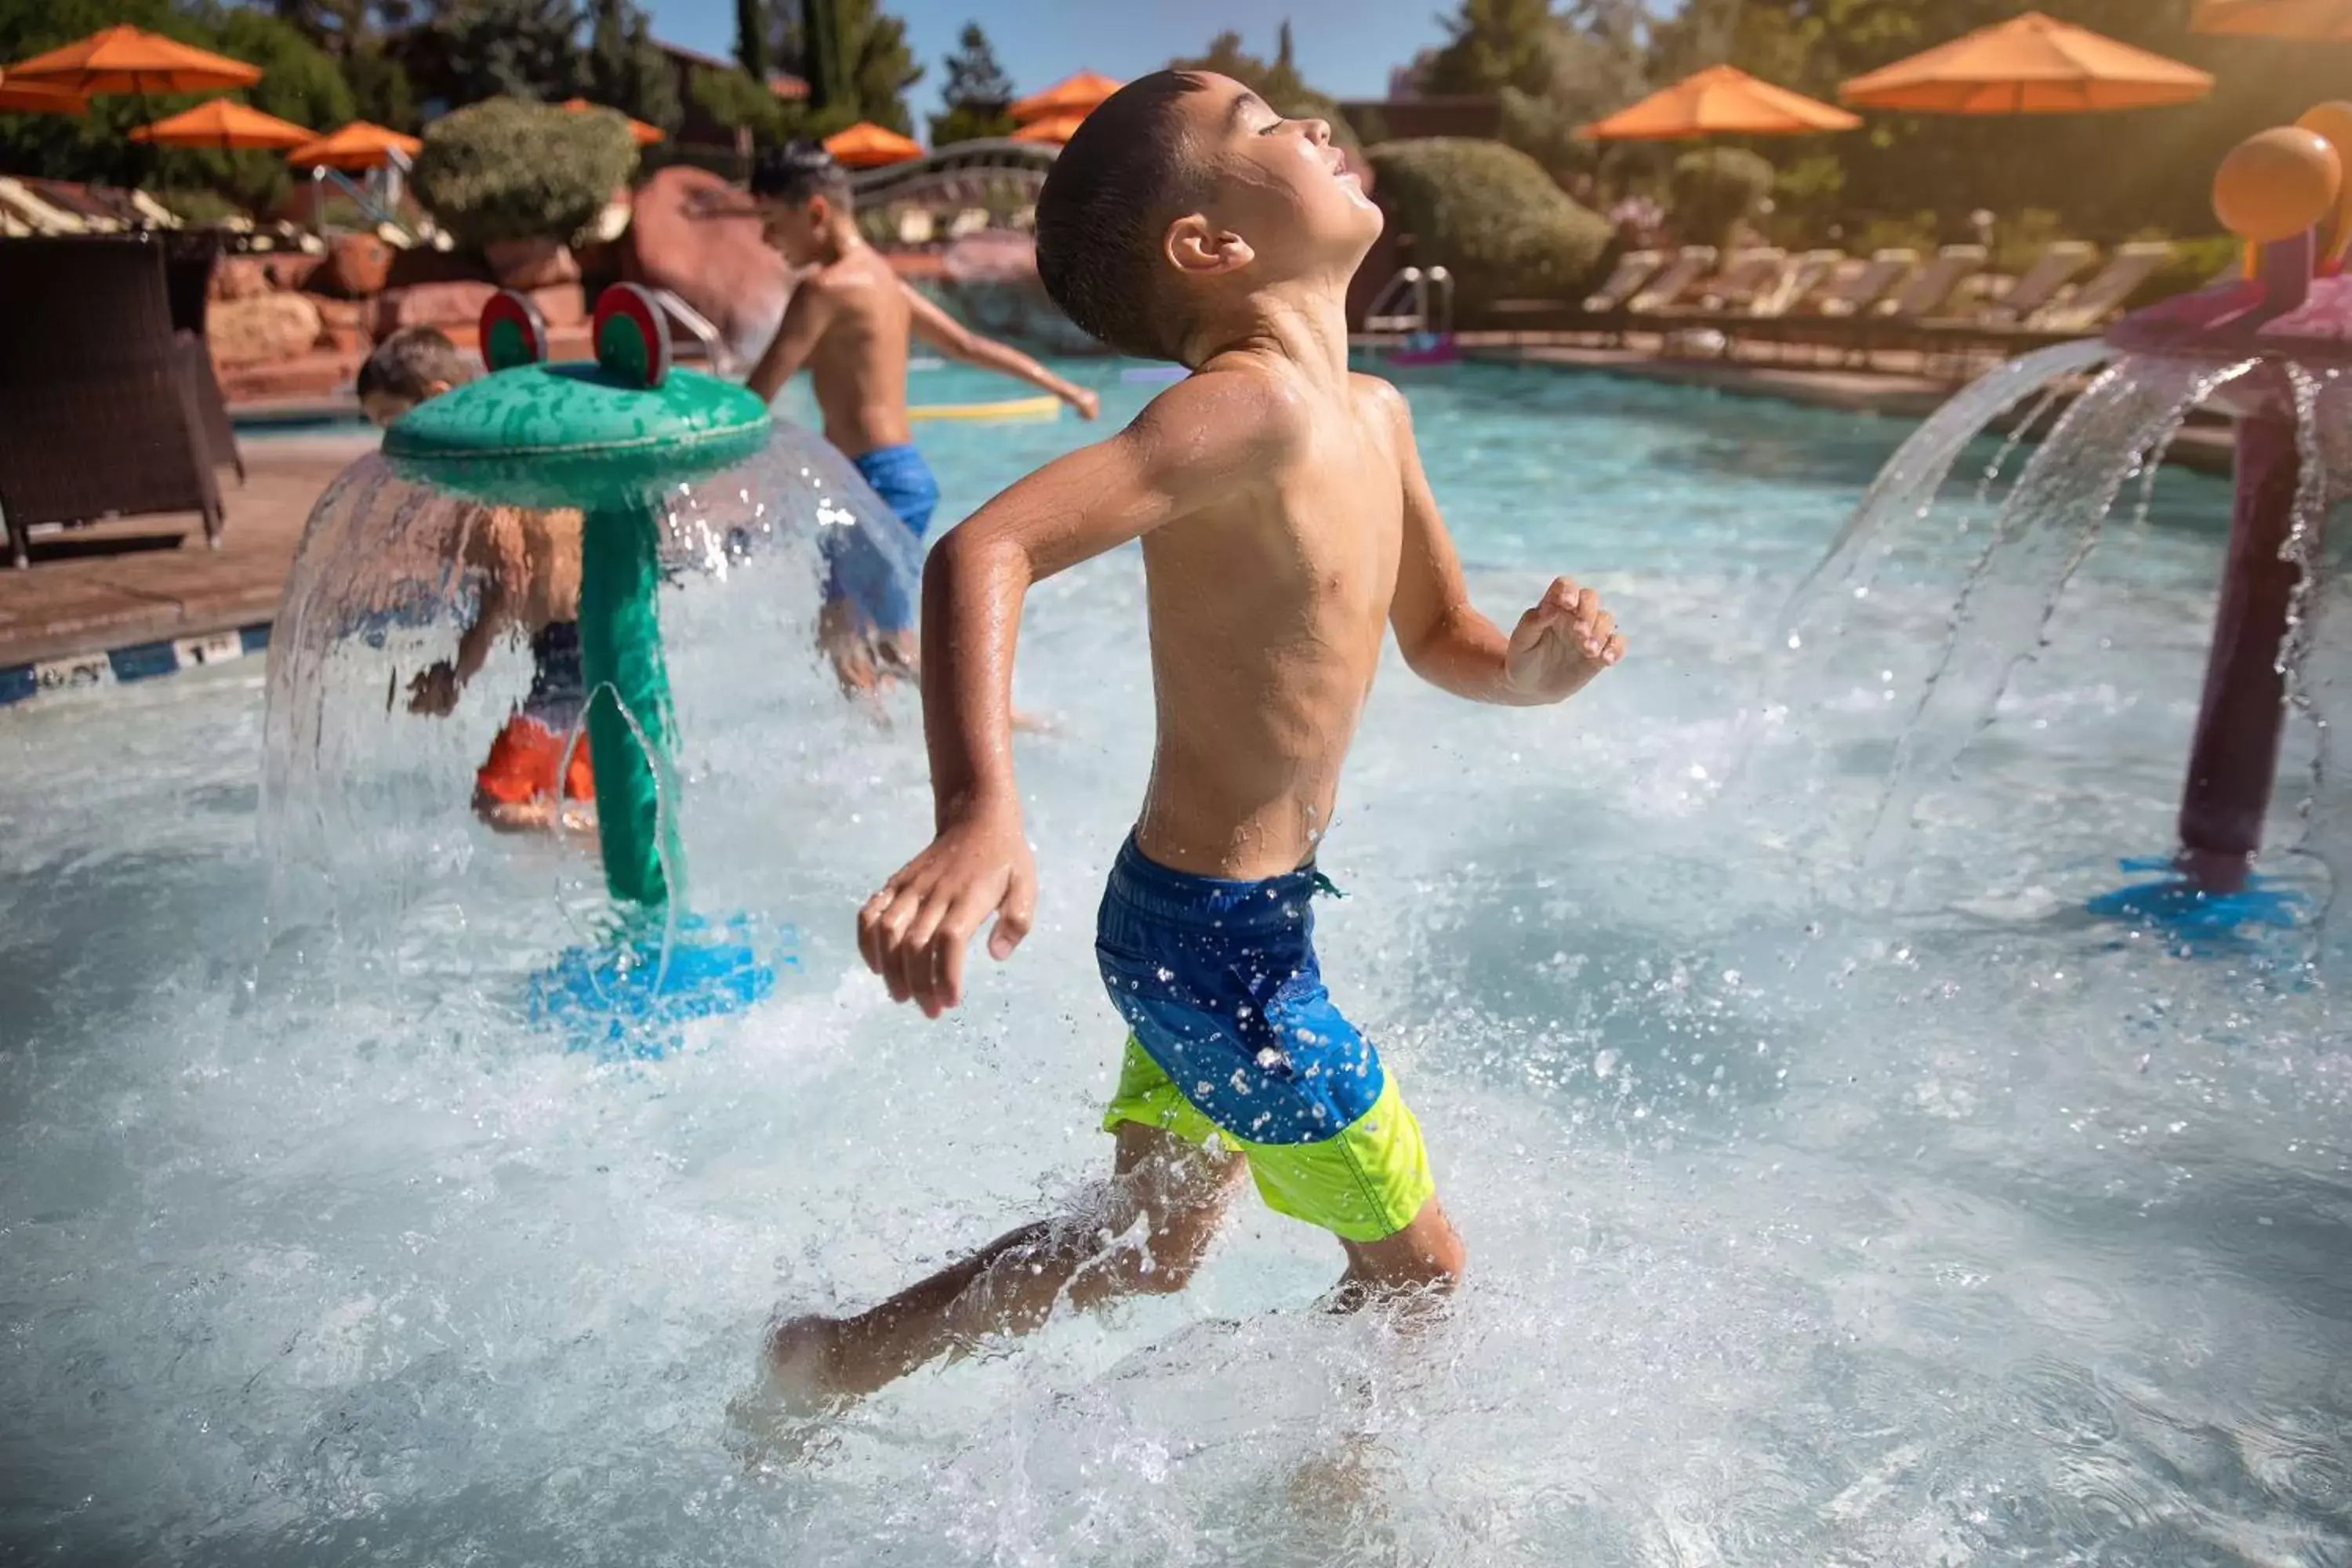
<point>1108,201</point>
<point>410,364</point>
<point>797,171</point>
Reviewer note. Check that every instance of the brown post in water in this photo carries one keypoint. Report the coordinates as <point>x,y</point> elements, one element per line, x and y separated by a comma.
<point>2234,761</point>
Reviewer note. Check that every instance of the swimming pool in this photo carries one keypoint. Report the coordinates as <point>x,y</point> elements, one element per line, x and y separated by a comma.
<point>1803,1232</point>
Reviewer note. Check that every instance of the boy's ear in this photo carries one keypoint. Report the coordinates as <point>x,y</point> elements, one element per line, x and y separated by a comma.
<point>434,389</point>
<point>1193,245</point>
<point>820,212</point>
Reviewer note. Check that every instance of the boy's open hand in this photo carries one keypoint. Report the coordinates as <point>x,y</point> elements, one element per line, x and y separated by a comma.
<point>914,931</point>
<point>1561,644</point>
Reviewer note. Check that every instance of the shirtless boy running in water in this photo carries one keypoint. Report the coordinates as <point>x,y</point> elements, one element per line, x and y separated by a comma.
<point>1286,527</point>
<point>848,321</point>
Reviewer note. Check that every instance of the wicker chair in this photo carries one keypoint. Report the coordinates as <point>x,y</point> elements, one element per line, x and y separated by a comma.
<point>189,258</point>
<point>101,402</point>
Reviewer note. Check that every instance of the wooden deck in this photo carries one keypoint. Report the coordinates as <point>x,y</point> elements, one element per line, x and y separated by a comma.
<point>152,579</point>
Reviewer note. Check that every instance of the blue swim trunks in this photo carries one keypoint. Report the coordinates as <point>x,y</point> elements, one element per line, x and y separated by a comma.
<point>1235,1042</point>
<point>859,573</point>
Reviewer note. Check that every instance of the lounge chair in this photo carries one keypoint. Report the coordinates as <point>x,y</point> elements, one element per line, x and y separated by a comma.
<point>1935,283</point>
<point>1690,264</point>
<point>99,398</point>
<point>1744,275</point>
<point>1633,268</point>
<point>1800,276</point>
<point>2052,271</point>
<point>2089,306</point>
<point>1860,291</point>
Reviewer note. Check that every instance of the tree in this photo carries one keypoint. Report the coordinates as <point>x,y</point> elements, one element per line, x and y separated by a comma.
<point>467,50</point>
<point>381,90</point>
<point>1495,44</point>
<point>751,38</point>
<point>1593,64</point>
<point>978,93</point>
<point>855,61</point>
<point>626,70</point>
<point>344,27</point>
<point>739,103</point>
<point>882,67</point>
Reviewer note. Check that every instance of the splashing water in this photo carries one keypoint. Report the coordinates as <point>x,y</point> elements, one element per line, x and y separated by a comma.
<point>364,816</point>
<point>1801,1232</point>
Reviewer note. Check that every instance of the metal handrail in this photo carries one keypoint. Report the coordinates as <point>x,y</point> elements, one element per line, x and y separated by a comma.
<point>1415,284</point>
<point>722,359</point>
<point>322,175</point>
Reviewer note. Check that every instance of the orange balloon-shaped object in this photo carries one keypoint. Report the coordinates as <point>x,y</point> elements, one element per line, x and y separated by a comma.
<point>2277,183</point>
<point>2334,121</point>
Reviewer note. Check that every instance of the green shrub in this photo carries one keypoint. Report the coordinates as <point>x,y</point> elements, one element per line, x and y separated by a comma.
<point>2194,264</point>
<point>1715,191</point>
<point>1491,217</point>
<point>200,207</point>
<point>507,168</point>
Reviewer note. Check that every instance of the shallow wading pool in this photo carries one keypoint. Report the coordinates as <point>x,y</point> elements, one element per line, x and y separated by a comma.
<point>1803,1230</point>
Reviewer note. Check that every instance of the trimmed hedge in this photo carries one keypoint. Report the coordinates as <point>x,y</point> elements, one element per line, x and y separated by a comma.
<point>1715,189</point>
<point>1490,215</point>
<point>507,168</point>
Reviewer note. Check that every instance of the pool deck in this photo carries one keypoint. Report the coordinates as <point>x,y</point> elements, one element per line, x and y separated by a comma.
<point>151,579</point>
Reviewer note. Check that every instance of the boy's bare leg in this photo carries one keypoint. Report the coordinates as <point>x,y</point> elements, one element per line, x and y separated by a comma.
<point>846,643</point>
<point>1180,1192</point>
<point>1427,1256</point>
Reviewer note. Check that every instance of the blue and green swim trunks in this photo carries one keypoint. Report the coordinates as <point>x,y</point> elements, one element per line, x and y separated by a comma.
<point>1235,1042</point>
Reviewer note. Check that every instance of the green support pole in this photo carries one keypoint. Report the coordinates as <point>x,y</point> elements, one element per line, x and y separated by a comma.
<point>609,439</point>
<point>621,657</point>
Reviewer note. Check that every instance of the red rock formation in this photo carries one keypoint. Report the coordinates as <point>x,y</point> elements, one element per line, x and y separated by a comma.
<point>530,263</point>
<point>265,327</point>
<point>357,265</point>
<point>694,234</point>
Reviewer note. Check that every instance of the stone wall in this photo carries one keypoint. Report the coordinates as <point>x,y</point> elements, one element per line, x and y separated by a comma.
<point>300,326</point>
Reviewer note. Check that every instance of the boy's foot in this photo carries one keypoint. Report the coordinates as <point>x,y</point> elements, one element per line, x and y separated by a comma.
<point>534,816</point>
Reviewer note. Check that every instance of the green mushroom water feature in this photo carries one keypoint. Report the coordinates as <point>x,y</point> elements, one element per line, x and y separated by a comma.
<point>607,437</point>
<point>709,537</point>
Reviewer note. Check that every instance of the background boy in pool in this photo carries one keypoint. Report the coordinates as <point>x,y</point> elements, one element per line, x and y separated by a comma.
<point>1287,526</point>
<point>528,564</point>
<point>850,320</point>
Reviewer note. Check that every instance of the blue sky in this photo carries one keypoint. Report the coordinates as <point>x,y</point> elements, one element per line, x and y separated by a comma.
<point>1344,47</point>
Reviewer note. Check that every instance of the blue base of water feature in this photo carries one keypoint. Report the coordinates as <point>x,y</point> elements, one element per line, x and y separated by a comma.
<point>628,999</point>
<point>2204,923</point>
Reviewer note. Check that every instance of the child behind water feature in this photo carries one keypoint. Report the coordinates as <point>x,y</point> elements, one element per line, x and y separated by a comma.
<point>527,564</point>
<point>849,322</point>
<point>1286,527</point>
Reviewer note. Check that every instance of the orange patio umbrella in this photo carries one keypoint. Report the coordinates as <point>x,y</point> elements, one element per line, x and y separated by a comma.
<point>645,135</point>
<point>126,60</point>
<point>224,125</point>
<point>2031,65</point>
<point>867,146</point>
<point>2324,21</point>
<point>1077,94</point>
<point>37,97</point>
<point>359,145</point>
<point>1721,100</point>
<point>1054,129</point>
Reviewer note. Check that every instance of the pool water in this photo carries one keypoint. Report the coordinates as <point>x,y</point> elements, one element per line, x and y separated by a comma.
<point>1805,1228</point>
